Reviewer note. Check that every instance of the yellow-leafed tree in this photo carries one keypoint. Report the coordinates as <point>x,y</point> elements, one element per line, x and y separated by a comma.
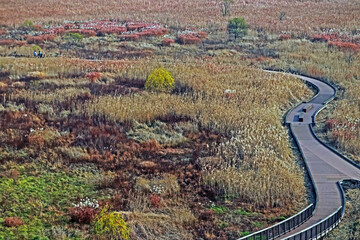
<point>160,80</point>
<point>111,225</point>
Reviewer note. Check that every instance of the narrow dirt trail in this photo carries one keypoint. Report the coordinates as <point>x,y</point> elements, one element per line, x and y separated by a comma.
<point>326,167</point>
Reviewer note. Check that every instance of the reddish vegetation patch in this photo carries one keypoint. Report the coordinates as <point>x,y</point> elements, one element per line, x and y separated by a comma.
<point>85,32</point>
<point>167,42</point>
<point>82,215</point>
<point>331,123</point>
<point>7,42</point>
<point>130,37</point>
<point>2,31</point>
<point>13,222</point>
<point>40,39</point>
<point>155,200</point>
<point>191,37</point>
<point>93,76</point>
<point>131,26</point>
<point>11,43</point>
<point>285,37</point>
<point>324,37</point>
<point>343,131</point>
<point>344,45</point>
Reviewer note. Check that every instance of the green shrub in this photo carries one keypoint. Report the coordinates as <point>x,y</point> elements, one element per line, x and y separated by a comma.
<point>219,209</point>
<point>160,80</point>
<point>28,24</point>
<point>76,36</point>
<point>238,27</point>
<point>35,48</point>
<point>111,225</point>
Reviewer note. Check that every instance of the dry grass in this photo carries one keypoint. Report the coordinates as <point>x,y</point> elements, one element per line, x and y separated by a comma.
<point>258,152</point>
<point>276,15</point>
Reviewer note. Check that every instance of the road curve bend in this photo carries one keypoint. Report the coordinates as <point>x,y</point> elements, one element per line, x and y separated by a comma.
<point>325,166</point>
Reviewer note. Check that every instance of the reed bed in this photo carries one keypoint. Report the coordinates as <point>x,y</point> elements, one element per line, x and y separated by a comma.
<point>256,164</point>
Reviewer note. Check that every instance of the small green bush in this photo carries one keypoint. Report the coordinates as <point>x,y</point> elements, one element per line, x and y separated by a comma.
<point>35,48</point>
<point>28,24</point>
<point>238,27</point>
<point>219,209</point>
<point>160,80</point>
<point>76,36</point>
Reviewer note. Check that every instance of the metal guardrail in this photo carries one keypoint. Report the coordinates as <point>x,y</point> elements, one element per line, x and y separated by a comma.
<point>321,228</point>
<point>283,227</point>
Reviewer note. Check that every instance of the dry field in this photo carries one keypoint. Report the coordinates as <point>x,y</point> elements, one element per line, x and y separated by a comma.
<point>296,16</point>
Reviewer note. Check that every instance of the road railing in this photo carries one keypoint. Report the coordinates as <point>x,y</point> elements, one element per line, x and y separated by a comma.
<point>283,227</point>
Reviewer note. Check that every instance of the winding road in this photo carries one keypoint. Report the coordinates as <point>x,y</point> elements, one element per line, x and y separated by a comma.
<point>326,168</point>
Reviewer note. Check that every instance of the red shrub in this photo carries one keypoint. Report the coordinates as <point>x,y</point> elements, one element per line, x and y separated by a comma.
<point>86,32</point>
<point>36,140</point>
<point>207,215</point>
<point>14,174</point>
<point>7,42</point>
<point>93,76</point>
<point>343,135</point>
<point>2,31</point>
<point>68,26</point>
<point>38,27</point>
<point>324,37</point>
<point>112,30</point>
<point>82,215</point>
<point>13,222</point>
<point>167,41</point>
<point>331,123</point>
<point>20,43</point>
<point>136,26</point>
<point>152,32</point>
<point>40,39</point>
<point>129,37</point>
<point>285,37</point>
<point>58,30</point>
<point>202,34</point>
<point>188,39</point>
<point>155,200</point>
<point>345,46</point>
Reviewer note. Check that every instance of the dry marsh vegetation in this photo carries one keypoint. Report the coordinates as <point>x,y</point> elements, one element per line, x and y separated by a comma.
<point>160,154</point>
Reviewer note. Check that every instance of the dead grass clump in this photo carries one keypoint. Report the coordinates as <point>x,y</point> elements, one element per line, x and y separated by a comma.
<point>157,131</point>
<point>166,186</point>
<point>153,226</point>
<point>13,222</point>
<point>73,154</point>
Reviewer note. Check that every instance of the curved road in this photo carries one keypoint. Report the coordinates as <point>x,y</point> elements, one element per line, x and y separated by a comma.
<point>326,167</point>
